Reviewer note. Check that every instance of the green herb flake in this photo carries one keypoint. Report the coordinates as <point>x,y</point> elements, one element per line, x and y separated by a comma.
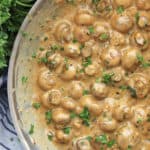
<point>81,46</point>
<point>104,36</point>
<point>85,92</point>
<point>24,34</point>
<point>34,55</point>
<point>31,131</point>
<point>137,17</point>
<point>41,49</point>
<point>43,60</point>
<point>24,79</point>
<point>129,147</point>
<point>50,137</point>
<point>48,116</point>
<point>111,143</point>
<point>120,9</point>
<point>74,41</point>
<point>89,138</point>
<point>45,38</point>
<point>91,29</point>
<point>139,120</point>
<point>36,105</point>
<point>95,1</point>
<point>107,78</point>
<point>141,60</point>
<point>123,87</point>
<point>73,115</point>
<point>85,116</point>
<point>67,130</point>
<point>148,119</point>
<point>132,91</point>
<point>101,139</point>
<point>66,60</point>
<point>86,61</point>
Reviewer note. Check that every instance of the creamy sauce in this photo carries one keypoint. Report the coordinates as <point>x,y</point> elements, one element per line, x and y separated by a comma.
<point>93,75</point>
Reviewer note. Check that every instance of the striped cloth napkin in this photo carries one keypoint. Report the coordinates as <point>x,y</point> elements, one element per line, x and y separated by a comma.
<point>8,136</point>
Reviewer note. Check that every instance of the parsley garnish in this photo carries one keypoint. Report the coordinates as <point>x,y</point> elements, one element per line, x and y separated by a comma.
<point>74,41</point>
<point>85,116</point>
<point>141,60</point>
<point>86,61</point>
<point>66,63</point>
<point>31,131</point>
<point>107,78</point>
<point>91,29</point>
<point>73,115</point>
<point>89,138</point>
<point>129,147</point>
<point>137,17</point>
<point>50,137</point>
<point>104,140</point>
<point>67,130</point>
<point>132,91</point>
<point>95,1</point>
<point>24,79</point>
<point>36,105</point>
<point>104,36</point>
<point>85,92</point>
<point>120,9</point>
<point>48,116</point>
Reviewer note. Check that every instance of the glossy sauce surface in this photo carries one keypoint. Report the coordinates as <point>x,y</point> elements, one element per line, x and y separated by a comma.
<point>93,75</point>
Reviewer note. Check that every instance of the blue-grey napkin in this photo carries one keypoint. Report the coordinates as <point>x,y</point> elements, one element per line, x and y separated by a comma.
<point>8,137</point>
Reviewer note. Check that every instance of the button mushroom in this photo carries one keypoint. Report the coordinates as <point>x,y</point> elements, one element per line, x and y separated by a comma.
<point>68,103</point>
<point>52,97</point>
<point>81,34</point>
<point>46,79</point>
<point>72,49</point>
<point>100,90</point>
<point>82,144</point>
<point>63,31</point>
<point>127,136</point>
<point>76,89</point>
<point>140,83</point>
<point>60,116</point>
<point>129,58</point>
<point>84,16</point>
<point>111,57</point>
<point>90,102</point>
<point>106,122</point>
<point>121,22</point>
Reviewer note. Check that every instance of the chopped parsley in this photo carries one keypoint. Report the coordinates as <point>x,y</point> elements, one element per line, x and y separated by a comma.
<point>36,105</point>
<point>66,63</point>
<point>48,116</point>
<point>24,79</point>
<point>101,139</point>
<point>85,92</point>
<point>41,49</point>
<point>86,61</point>
<point>81,46</point>
<point>141,60</point>
<point>95,1</point>
<point>34,55</point>
<point>91,29</point>
<point>50,137</point>
<point>123,87</point>
<point>104,36</point>
<point>74,41</point>
<point>43,60</point>
<point>67,130</point>
<point>111,143</point>
<point>139,120</point>
<point>85,116</point>
<point>31,131</point>
<point>129,147</point>
<point>104,140</point>
<point>89,138</point>
<point>107,78</point>
<point>73,115</point>
<point>120,9</point>
<point>137,17</point>
<point>132,91</point>
<point>148,118</point>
